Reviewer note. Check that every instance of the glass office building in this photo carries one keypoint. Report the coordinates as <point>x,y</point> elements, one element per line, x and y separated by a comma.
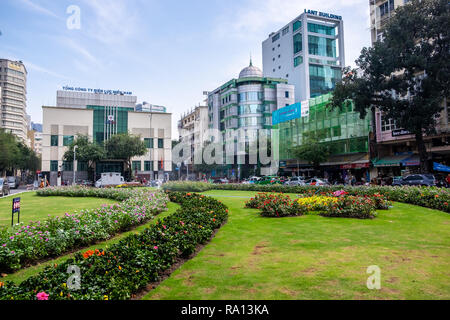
<point>346,134</point>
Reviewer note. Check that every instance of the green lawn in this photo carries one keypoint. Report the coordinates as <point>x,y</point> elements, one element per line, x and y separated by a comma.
<point>34,208</point>
<point>313,257</point>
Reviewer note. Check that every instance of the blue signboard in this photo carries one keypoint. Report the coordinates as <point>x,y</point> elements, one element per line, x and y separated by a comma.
<point>287,113</point>
<point>441,168</point>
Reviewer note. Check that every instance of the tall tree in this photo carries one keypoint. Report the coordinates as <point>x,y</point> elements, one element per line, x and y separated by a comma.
<point>405,76</point>
<point>87,151</point>
<point>9,152</point>
<point>125,147</point>
<point>312,150</point>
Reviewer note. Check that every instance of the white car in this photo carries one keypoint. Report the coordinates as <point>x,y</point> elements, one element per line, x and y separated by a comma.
<point>109,179</point>
<point>317,182</point>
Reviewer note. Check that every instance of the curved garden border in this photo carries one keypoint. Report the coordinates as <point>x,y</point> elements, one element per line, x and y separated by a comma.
<point>28,244</point>
<point>131,264</point>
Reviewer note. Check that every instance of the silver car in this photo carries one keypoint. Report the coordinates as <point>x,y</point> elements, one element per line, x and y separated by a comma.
<point>4,187</point>
<point>296,181</point>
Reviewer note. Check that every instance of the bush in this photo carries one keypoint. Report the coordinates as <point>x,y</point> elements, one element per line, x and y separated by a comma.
<point>351,207</point>
<point>26,244</point>
<point>428,197</point>
<point>316,203</point>
<point>132,263</point>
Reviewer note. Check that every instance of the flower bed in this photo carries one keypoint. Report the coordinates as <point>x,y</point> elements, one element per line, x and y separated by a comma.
<point>132,263</point>
<point>351,207</point>
<point>428,197</point>
<point>25,244</point>
<point>316,203</point>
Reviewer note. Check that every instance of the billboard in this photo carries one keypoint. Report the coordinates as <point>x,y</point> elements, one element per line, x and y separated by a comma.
<point>294,111</point>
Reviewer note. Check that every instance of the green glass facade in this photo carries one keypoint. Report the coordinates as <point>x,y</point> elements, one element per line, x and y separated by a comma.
<point>103,127</point>
<point>342,130</point>
<point>323,79</point>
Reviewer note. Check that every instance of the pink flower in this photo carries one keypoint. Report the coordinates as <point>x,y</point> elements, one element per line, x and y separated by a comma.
<point>155,247</point>
<point>42,296</point>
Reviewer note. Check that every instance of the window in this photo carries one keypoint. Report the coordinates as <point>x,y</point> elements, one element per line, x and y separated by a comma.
<point>323,79</point>
<point>148,165</point>
<point>67,166</point>
<point>67,141</point>
<point>286,94</point>
<point>136,165</point>
<point>319,46</point>
<point>160,143</point>
<point>82,166</point>
<point>149,143</point>
<point>388,124</point>
<point>276,37</point>
<point>297,43</point>
<point>318,28</point>
<point>54,141</point>
<point>297,25</point>
<point>386,7</point>
<point>54,166</point>
<point>298,61</point>
<point>285,31</point>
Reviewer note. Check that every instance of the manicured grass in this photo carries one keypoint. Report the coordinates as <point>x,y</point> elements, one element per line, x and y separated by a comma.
<point>31,271</point>
<point>35,208</point>
<point>313,257</point>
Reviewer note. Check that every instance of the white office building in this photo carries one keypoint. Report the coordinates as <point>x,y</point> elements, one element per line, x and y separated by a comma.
<point>308,52</point>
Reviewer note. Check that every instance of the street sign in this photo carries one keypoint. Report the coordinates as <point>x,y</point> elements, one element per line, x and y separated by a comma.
<point>15,209</point>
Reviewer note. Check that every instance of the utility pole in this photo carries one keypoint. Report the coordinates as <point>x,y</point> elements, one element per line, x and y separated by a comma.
<point>74,162</point>
<point>151,150</point>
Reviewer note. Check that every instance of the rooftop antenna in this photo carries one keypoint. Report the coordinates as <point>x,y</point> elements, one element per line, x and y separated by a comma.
<point>251,63</point>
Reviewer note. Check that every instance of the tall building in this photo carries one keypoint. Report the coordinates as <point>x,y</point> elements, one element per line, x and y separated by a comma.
<point>147,107</point>
<point>108,115</point>
<point>308,52</point>
<point>13,83</point>
<point>192,128</point>
<point>246,104</point>
<point>397,152</point>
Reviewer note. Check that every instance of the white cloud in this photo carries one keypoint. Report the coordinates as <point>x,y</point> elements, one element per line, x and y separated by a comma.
<point>35,7</point>
<point>31,66</point>
<point>72,44</point>
<point>114,22</point>
<point>254,20</point>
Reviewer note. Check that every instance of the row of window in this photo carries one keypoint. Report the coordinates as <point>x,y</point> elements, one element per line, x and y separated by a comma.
<point>250,96</point>
<point>386,7</point>
<point>67,141</point>
<point>148,165</point>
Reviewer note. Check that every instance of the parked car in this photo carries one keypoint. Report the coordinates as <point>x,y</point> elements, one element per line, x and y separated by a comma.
<point>221,181</point>
<point>13,182</point>
<point>268,180</point>
<point>251,180</point>
<point>424,180</point>
<point>296,181</point>
<point>109,179</point>
<point>4,187</point>
<point>317,182</point>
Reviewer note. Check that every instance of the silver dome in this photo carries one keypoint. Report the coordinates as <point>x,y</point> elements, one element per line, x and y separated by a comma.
<point>251,72</point>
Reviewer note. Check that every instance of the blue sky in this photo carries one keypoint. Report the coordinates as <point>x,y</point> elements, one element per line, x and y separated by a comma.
<point>167,52</point>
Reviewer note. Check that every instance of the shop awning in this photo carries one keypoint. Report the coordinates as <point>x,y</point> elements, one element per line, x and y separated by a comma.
<point>353,160</point>
<point>441,168</point>
<point>413,161</point>
<point>391,161</point>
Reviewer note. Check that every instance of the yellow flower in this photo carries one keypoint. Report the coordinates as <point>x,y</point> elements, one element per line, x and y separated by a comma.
<point>105,297</point>
<point>64,285</point>
<point>120,268</point>
<point>61,294</point>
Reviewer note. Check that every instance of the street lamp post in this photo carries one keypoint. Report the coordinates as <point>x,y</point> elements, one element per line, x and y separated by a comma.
<point>74,162</point>
<point>151,150</point>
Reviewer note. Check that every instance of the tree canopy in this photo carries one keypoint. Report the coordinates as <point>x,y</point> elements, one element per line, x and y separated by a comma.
<point>406,75</point>
<point>312,150</point>
<point>15,155</point>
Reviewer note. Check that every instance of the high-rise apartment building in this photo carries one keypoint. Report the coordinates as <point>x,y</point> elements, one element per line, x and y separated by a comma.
<point>13,101</point>
<point>308,52</point>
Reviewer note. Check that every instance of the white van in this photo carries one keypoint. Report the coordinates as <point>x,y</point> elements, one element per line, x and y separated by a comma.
<point>109,179</point>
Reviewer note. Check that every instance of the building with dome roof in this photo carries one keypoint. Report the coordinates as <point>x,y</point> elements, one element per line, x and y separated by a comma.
<point>246,104</point>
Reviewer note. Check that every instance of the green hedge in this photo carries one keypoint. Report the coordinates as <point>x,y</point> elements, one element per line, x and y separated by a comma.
<point>119,272</point>
<point>428,197</point>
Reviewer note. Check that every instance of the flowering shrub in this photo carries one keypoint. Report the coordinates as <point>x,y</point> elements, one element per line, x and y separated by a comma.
<point>132,263</point>
<point>316,203</point>
<point>381,202</point>
<point>274,205</point>
<point>428,197</point>
<point>25,244</point>
<point>351,207</point>
<point>258,201</point>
